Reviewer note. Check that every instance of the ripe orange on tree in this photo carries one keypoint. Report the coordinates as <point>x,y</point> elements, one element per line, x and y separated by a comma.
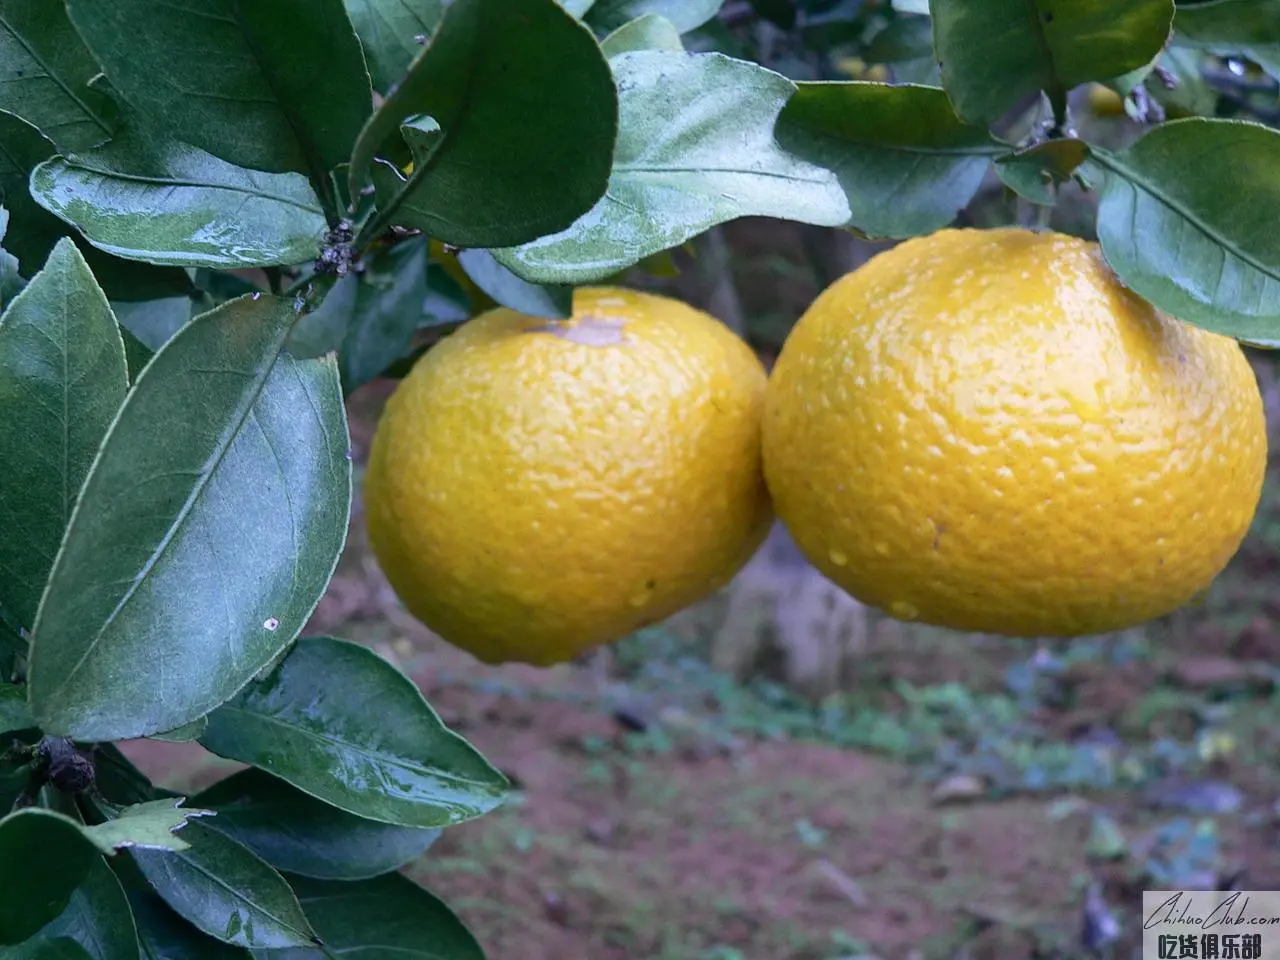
<point>984,430</point>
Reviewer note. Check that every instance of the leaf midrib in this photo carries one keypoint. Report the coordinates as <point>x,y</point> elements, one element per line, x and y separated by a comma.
<point>83,164</point>
<point>226,442</point>
<point>186,858</point>
<point>1113,163</point>
<point>4,22</point>
<point>355,748</point>
<point>316,172</point>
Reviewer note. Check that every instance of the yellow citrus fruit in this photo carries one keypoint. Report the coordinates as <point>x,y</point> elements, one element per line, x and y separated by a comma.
<point>983,430</point>
<point>1104,101</point>
<point>537,488</point>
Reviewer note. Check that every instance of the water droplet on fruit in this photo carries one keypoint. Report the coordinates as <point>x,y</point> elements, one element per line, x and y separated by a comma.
<point>838,558</point>
<point>270,623</point>
<point>903,610</point>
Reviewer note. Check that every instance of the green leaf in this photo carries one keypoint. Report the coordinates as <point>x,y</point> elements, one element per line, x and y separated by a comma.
<point>996,52</point>
<point>322,330</point>
<point>136,354</point>
<point>506,288</point>
<point>62,948</point>
<point>153,825</point>
<point>97,917</point>
<point>43,858</point>
<point>185,733</point>
<point>1249,28</point>
<point>32,230</point>
<point>388,31</point>
<point>696,148</point>
<point>1187,220</point>
<point>904,40</point>
<point>385,918</point>
<point>277,86</point>
<point>650,32</point>
<point>299,834</point>
<point>388,308</point>
<point>528,114</point>
<point>337,749</point>
<point>144,197</point>
<point>62,378</point>
<point>906,164</point>
<point>1192,92</point>
<point>45,70</point>
<point>163,935</point>
<point>684,15</point>
<point>226,891</point>
<point>154,322</point>
<point>14,714</point>
<point>191,563</point>
<point>1033,171</point>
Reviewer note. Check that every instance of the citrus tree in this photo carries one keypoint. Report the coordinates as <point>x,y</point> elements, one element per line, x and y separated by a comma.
<point>220,217</point>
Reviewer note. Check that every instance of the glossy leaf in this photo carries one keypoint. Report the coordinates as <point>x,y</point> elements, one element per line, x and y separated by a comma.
<point>163,935</point>
<point>388,31</point>
<point>226,891</point>
<point>244,84</point>
<point>45,70</point>
<point>145,197</point>
<point>528,114</point>
<point>62,378</point>
<point>33,231</point>
<point>97,917</point>
<point>536,300</point>
<point>397,764</point>
<point>299,834</point>
<point>1187,220</point>
<point>386,313</point>
<point>650,32</point>
<point>384,918</point>
<point>205,534</point>
<point>1250,28</point>
<point>153,825</point>
<point>684,15</point>
<point>696,148</point>
<point>43,858</point>
<point>906,164</point>
<point>1034,171</point>
<point>14,714</point>
<point>994,53</point>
